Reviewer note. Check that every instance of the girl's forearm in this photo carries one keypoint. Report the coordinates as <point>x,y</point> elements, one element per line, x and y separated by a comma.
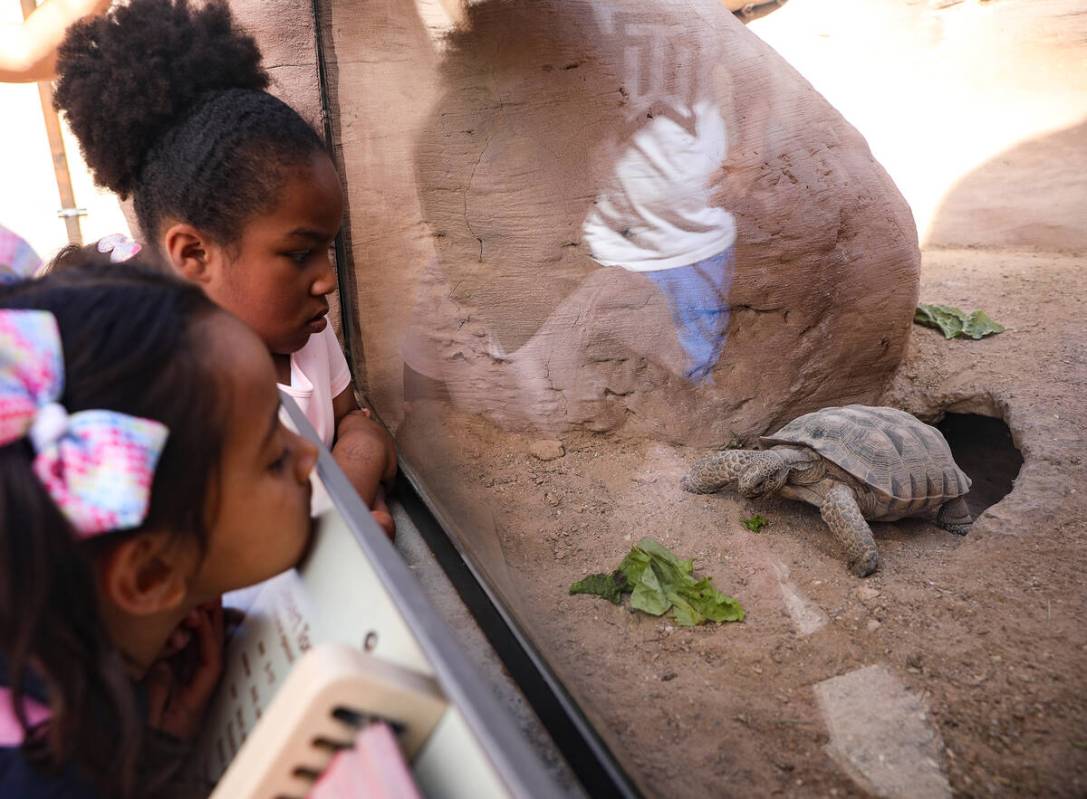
<point>363,458</point>
<point>28,52</point>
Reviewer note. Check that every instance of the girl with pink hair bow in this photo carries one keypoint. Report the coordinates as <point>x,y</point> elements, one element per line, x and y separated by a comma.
<point>143,473</point>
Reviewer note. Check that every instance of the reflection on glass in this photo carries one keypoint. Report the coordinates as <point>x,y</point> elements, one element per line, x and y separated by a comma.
<point>588,236</point>
<point>571,185</point>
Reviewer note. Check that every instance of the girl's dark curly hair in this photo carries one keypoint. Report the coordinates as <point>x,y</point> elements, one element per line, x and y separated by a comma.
<point>169,105</point>
<point>133,341</point>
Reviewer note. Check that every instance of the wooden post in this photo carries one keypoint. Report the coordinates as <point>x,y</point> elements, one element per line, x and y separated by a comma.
<point>68,209</point>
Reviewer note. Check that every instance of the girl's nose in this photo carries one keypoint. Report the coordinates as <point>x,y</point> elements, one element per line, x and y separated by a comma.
<point>305,459</point>
<point>326,281</point>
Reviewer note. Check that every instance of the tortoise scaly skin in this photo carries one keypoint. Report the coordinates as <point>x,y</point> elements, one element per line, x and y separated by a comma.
<point>854,463</point>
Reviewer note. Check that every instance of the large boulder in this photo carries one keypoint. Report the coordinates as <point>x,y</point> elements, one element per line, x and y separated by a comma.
<point>477,146</point>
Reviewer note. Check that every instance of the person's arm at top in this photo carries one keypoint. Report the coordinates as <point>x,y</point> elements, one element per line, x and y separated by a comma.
<point>28,51</point>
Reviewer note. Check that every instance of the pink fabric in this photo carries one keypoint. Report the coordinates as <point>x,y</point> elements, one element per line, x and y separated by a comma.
<point>99,472</point>
<point>17,258</point>
<point>31,369</point>
<point>374,769</point>
<point>319,374</point>
<point>11,732</point>
<point>97,465</point>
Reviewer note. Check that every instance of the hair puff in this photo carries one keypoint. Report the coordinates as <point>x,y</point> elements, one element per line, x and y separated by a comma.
<point>129,76</point>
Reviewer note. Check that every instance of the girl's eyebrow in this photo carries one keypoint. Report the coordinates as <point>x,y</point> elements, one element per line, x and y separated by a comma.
<point>309,233</point>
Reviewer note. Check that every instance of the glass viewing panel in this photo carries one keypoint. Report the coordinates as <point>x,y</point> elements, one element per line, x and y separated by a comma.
<point>585,251</point>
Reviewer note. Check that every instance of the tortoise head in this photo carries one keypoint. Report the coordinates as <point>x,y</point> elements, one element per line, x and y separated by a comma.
<point>765,473</point>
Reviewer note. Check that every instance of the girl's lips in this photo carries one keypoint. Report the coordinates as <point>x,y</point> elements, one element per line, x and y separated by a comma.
<point>316,325</point>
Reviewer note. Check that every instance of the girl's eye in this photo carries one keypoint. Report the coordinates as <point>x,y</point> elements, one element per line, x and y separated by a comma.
<point>300,257</point>
<point>280,463</point>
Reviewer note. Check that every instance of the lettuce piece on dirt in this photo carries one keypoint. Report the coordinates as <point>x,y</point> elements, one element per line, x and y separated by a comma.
<point>649,595</point>
<point>608,586</point>
<point>755,523</point>
<point>660,582</point>
<point>978,325</point>
<point>645,552</point>
<point>954,323</point>
<point>946,319</point>
<point>711,603</point>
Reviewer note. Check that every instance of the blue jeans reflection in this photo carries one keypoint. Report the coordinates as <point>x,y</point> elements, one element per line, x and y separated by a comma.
<point>698,298</point>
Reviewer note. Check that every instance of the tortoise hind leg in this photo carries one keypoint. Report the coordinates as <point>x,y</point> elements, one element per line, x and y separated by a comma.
<point>843,516</point>
<point>954,516</point>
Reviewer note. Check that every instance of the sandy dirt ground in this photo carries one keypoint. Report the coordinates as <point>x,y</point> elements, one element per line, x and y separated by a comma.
<point>986,628</point>
<point>972,650</point>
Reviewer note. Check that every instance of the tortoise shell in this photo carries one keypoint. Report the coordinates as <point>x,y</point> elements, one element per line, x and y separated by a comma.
<point>900,457</point>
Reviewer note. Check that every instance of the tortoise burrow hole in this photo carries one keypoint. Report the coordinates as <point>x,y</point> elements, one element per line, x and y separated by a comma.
<point>984,449</point>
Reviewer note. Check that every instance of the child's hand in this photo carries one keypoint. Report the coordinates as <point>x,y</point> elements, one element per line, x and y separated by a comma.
<point>180,684</point>
<point>382,515</point>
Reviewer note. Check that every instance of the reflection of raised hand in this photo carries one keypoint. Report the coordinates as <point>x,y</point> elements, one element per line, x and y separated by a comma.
<point>28,52</point>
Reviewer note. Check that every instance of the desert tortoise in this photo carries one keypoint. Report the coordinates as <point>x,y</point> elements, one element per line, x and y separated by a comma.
<point>853,463</point>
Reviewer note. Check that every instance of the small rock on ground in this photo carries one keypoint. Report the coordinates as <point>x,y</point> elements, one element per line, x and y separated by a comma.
<point>881,736</point>
<point>547,450</point>
<point>866,593</point>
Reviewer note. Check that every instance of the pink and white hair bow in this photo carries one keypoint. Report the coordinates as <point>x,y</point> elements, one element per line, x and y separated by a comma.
<point>97,465</point>
<point>119,246</point>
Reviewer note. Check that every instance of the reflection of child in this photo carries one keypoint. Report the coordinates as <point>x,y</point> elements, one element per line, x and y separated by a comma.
<point>232,188</point>
<point>128,503</point>
<point>654,215</point>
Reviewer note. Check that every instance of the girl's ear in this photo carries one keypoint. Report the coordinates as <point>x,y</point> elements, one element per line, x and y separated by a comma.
<point>190,252</point>
<point>147,574</point>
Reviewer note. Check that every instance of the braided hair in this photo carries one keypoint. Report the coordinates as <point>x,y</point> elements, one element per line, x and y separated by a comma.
<point>169,103</point>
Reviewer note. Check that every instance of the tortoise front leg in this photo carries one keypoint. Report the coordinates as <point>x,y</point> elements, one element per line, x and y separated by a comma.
<point>715,471</point>
<point>954,516</point>
<point>842,515</point>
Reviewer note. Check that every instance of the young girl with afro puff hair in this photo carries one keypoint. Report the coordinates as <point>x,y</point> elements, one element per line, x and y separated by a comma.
<point>233,191</point>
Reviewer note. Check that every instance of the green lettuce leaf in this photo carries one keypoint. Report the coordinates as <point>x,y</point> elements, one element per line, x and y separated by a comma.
<point>659,583</point>
<point>685,614</point>
<point>711,603</point>
<point>945,318</point>
<point>978,325</point>
<point>608,586</point>
<point>649,596</point>
<point>636,561</point>
<point>662,554</point>
<point>953,322</point>
<point>755,523</point>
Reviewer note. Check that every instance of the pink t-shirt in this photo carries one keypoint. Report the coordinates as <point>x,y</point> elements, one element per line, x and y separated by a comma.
<point>318,374</point>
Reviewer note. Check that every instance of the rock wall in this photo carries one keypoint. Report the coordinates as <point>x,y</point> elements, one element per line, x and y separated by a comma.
<point>476,142</point>
<point>474,154</point>
<point>287,36</point>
